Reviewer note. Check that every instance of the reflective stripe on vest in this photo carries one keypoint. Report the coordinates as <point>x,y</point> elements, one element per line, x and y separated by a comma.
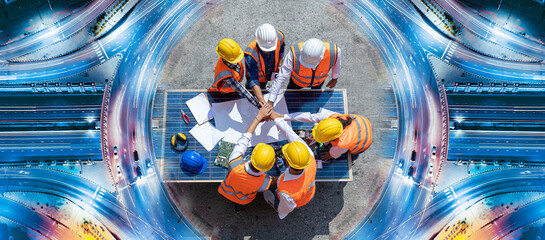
<point>222,71</point>
<point>297,189</point>
<point>241,187</point>
<point>303,75</point>
<point>348,139</point>
<point>254,53</point>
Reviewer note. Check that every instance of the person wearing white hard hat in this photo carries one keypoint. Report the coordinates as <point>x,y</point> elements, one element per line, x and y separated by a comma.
<point>263,57</point>
<point>308,63</point>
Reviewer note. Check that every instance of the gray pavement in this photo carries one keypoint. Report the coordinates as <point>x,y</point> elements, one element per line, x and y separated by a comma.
<point>337,207</point>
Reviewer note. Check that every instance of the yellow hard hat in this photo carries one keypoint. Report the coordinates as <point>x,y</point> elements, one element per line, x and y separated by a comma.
<point>229,50</point>
<point>327,130</point>
<point>297,155</point>
<point>263,157</point>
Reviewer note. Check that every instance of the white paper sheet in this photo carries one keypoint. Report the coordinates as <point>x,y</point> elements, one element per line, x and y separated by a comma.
<point>234,117</point>
<point>200,108</point>
<point>207,135</point>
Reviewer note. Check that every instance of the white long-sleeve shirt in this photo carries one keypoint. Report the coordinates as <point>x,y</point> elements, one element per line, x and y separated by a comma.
<point>286,203</point>
<point>286,69</point>
<point>239,150</point>
<point>334,151</point>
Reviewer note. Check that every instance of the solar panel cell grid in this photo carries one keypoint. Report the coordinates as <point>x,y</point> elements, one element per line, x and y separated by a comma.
<point>297,101</point>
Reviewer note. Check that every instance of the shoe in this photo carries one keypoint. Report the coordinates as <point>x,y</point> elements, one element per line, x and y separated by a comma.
<point>239,208</point>
<point>269,197</point>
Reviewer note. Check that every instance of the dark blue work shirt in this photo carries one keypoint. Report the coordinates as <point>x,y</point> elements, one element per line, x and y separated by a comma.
<point>252,70</point>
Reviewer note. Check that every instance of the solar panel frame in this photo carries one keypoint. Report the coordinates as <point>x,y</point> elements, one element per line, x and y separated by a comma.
<point>308,100</point>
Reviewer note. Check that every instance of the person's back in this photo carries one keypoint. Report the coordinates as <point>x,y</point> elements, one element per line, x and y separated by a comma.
<point>302,189</point>
<point>246,178</point>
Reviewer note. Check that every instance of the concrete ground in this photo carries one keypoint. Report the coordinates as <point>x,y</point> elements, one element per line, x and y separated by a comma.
<point>337,207</point>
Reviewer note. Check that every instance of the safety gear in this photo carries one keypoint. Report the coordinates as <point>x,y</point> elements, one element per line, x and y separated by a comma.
<point>252,50</point>
<point>312,52</point>
<point>179,142</point>
<point>266,38</point>
<point>357,136</point>
<point>263,157</point>
<point>302,189</point>
<point>327,130</point>
<point>229,50</point>
<point>303,75</point>
<point>193,161</point>
<point>222,71</point>
<point>241,187</point>
<point>297,155</point>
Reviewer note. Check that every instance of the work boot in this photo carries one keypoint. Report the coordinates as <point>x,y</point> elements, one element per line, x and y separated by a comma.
<point>239,207</point>
<point>269,198</point>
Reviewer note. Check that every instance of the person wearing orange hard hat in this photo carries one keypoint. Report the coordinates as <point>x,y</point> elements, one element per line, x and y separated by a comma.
<point>247,177</point>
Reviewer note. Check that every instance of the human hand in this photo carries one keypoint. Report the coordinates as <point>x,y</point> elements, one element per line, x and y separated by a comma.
<point>326,156</point>
<point>264,113</point>
<point>264,103</point>
<point>276,115</point>
<point>332,83</point>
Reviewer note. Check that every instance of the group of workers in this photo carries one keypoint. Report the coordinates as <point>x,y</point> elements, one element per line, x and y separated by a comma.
<point>308,64</point>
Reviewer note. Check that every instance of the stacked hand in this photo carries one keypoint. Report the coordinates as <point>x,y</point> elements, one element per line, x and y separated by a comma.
<point>264,113</point>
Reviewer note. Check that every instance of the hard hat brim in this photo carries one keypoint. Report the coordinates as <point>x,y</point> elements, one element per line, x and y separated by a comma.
<point>267,49</point>
<point>301,60</point>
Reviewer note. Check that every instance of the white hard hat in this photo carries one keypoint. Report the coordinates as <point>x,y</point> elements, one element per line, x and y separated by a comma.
<point>312,52</point>
<point>266,37</point>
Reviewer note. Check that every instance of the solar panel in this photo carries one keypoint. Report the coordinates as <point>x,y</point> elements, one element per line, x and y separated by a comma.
<point>172,123</point>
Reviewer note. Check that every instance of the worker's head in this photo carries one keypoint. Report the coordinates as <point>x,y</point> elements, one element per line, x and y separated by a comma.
<point>297,155</point>
<point>263,157</point>
<point>229,50</point>
<point>266,38</point>
<point>312,52</point>
<point>327,130</point>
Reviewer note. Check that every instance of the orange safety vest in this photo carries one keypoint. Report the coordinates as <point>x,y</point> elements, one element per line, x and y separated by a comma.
<point>253,51</point>
<point>304,77</point>
<point>357,136</point>
<point>301,190</point>
<point>241,187</point>
<point>222,71</point>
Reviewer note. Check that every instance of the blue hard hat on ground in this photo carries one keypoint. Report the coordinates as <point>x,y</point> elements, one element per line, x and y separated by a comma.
<point>193,161</point>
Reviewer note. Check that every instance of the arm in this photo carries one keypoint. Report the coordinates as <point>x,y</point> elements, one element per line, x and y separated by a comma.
<point>243,92</point>
<point>287,130</point>
<point>258,94</point>
<point>306,117</point>
<point>283,74</point>
<point>252,77</point>
<point>334,153</point>
<point>335,70</point>
<point>244,140</point>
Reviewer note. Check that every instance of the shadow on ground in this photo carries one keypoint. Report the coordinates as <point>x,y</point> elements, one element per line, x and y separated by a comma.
<point>216,214</point>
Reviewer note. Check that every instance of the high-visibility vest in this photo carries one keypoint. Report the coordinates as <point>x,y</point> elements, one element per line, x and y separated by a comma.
<point>241,187</point>
<point>303,76</point>
<point>357,136</point>
<point>253,51</point>
<point>301,190</point>
<point>222,71</point>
